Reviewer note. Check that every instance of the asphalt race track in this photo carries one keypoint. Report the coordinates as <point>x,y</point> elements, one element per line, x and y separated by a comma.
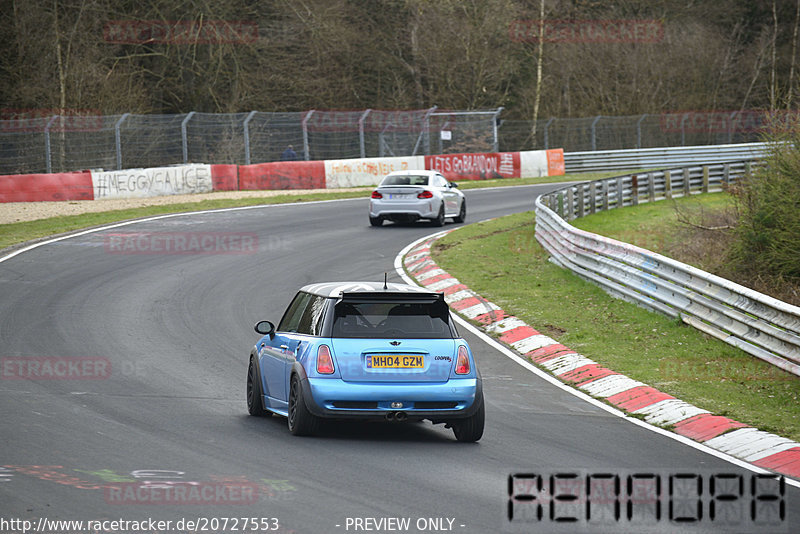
<point>163,405</point>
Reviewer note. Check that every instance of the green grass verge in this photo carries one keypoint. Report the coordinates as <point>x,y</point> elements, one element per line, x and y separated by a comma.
<point>15,233</point>
<point>653,225</point>
<point>502,261</point>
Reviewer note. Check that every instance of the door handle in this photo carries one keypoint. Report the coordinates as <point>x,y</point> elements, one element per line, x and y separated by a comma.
<point>285,347</point>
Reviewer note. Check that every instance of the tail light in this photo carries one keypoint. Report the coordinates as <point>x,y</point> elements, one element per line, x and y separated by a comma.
<point>425,194</point>
<point>375,194</point>
<point>324,360</point>
<point>462,362</point>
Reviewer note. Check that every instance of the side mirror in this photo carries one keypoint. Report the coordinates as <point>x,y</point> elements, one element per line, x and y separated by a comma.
<point>453,184</point>
<point>265,328</point>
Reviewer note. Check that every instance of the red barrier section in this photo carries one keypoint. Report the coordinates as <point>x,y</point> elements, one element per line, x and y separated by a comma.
<point>225,177</point>
<point>282,175</point>
<point>39,187</point>
<point>488,166</point>
<point>555,162</point>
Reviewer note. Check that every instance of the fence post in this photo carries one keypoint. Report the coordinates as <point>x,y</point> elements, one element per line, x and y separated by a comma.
<point>634,190</point>
<point>47,150</point>
<point>592,196</point>
<point>668,185</point>
<point>496,144</point>
<point>594,132</point>
<point>427,131</point>
<point>304,124</point>
<point>683,129</point>
<point>118,140</point>
<point>246,128</point>
<point>726,174</point>
<point>651,186</point>
<point>606,187</point>
<point>561,204</point>
<point>361,132</point>
<point>639,131</point>
<point>184,137</point>
<point>581,208</point>
<point>705,178</point>
<point>547,133</point>
<point>620,193</point>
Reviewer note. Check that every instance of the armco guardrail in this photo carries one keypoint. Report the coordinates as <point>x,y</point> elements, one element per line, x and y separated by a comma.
<point>761,325</point>
<point>648,158</point>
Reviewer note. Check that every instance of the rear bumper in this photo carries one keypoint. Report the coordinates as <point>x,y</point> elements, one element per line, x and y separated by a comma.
<point>421,209</point>
<point>322,395</point>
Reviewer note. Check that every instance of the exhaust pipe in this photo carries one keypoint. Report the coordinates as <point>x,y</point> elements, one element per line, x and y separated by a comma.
<point>390,416</point>
<point>400,417</point>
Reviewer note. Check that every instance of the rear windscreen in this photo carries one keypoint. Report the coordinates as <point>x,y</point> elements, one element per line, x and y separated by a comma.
<point>421,320</point>
<point>405,180</point>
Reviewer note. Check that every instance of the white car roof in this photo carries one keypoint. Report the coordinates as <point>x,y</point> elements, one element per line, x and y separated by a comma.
<point>335,289</point>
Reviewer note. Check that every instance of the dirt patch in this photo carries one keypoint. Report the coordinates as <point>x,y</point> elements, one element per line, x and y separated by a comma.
<point>11,212</point>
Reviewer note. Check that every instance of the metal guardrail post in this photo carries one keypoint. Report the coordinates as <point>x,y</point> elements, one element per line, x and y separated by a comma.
<point>668,185</point>
<point>594,132</point>
<point>361,133</point>
<point>687,182</point>
<point>304,124</point>
<point>496,143</point>
<point>48,155</point>
<point>246,128</point>
<point>118,139</point>
<point>185,137</point>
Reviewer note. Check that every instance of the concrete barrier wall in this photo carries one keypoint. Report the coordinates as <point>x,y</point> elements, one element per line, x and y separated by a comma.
<point>328,174</point>
<point>38,187</point>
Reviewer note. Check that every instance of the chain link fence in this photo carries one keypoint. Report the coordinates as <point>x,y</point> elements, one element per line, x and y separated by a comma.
<point>60,143</point>
<point>639,131</point>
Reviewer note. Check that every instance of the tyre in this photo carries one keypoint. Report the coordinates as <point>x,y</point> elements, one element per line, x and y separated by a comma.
<point>376,221</point>
<point>255,403</point>
<point>462,214</point>
<point>470,429</point>
<point>439,220</point>
<point>301,421</point>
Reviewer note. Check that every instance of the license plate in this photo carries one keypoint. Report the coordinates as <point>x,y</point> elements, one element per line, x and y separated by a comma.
<point>398,196</point>
<point>394,361</point>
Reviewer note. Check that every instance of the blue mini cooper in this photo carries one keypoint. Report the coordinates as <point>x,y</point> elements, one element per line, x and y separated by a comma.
<point>364,350</point>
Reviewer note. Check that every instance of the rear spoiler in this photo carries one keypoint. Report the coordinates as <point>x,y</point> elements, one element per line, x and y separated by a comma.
<point>393,296</point>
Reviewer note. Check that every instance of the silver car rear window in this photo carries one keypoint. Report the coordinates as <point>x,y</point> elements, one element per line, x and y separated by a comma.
<point>405,180</point>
